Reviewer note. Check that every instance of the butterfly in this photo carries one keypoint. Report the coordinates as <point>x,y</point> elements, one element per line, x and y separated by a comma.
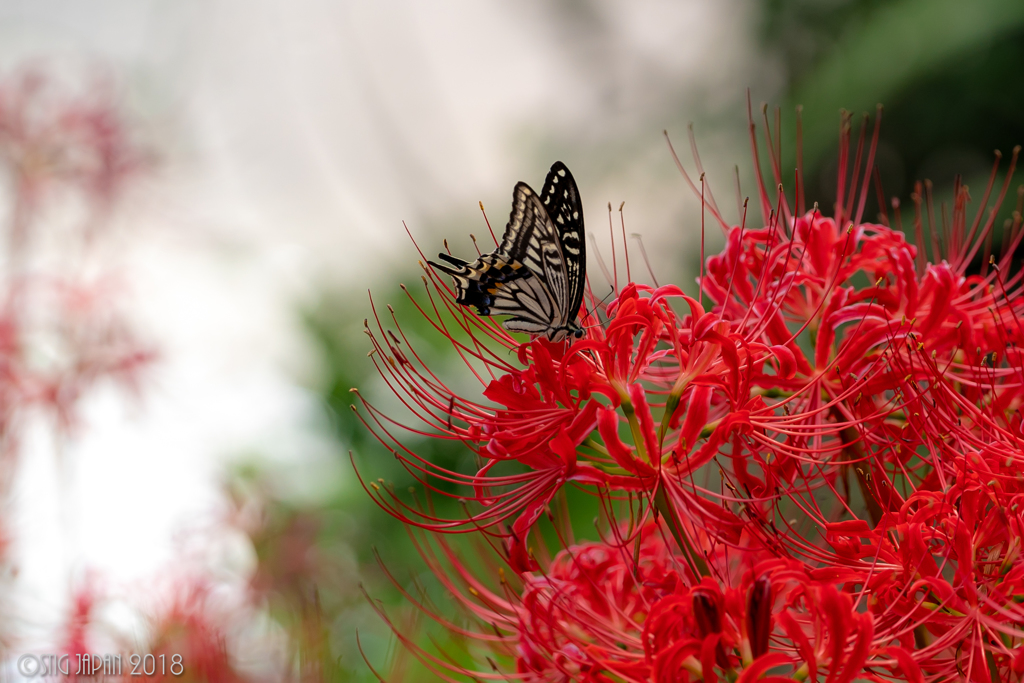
<point>536,274</point>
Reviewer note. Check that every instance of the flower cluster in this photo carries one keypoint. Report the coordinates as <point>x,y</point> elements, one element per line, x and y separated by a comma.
<point>66,157</point>
<point>812,468</point>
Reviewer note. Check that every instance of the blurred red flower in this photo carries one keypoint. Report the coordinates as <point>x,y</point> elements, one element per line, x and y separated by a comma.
<point>67,155</point>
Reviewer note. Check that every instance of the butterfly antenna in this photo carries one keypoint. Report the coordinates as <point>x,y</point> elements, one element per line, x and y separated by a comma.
<point>590,290</point>
<point>647,261</point>
<point>596,312</point>
<point>600,303</point>
<point>475,245</point>
<point>625,245</point>
<point>488,222</point>
<point>606,297</point>
<point>611,235</point>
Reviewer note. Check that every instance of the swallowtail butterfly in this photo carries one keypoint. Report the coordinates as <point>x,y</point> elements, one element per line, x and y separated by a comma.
<point>536,274</point>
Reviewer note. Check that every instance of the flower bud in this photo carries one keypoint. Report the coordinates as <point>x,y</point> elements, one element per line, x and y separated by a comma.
<point>759,615</point>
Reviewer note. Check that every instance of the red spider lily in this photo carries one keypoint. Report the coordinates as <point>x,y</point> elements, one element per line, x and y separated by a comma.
<point>192,628</point>
<point>818,469</point>
<point>66,156</point>
<point>59,333</point>
<point>608,612</point>
<point>51,137</point>
<point>76,639</point>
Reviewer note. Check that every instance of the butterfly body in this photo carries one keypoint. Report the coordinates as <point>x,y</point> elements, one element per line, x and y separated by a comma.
<point>536,275</point>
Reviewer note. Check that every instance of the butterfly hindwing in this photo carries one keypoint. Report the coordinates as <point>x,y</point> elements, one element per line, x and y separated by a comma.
<point>476,282</point>
<point>536,273</point>
<point>529,303</point>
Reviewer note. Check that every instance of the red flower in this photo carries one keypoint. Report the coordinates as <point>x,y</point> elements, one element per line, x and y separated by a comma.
<point>725,438</point>
<point>192,630</point>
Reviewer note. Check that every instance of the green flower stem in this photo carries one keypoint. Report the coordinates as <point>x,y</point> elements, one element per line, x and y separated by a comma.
<point>634,429</point>
<point>665,508</point>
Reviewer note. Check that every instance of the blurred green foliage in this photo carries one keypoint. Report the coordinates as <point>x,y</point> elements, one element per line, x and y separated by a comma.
<point>335,325</point>
<point>949,74</point>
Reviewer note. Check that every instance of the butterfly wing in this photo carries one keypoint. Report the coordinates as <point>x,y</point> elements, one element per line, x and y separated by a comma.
<point>476,283</point>
<point>561,199</point>
<point>535,275</point>
<point>529,303</point>
<point>506,282</point>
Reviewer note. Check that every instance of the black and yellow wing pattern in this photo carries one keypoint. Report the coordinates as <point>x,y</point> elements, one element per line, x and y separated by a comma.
<point>537,274</point>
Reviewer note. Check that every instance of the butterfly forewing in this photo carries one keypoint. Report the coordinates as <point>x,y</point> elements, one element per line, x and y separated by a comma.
<point>561,199</point>
<point>530,231</point>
